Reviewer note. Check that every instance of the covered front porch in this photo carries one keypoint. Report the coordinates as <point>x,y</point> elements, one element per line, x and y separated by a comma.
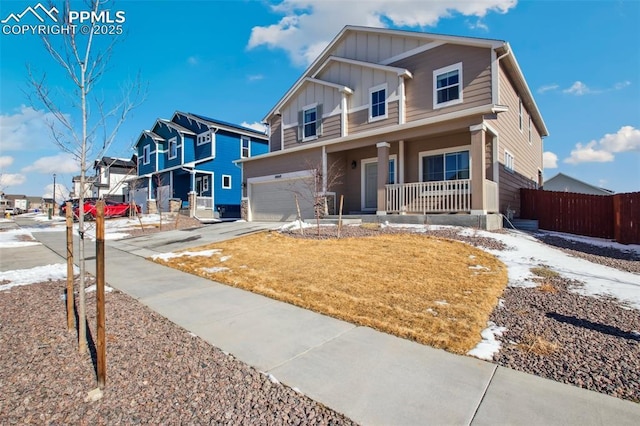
<point>449,172</point>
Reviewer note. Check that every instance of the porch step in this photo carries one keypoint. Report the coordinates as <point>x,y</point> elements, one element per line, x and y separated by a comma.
<point>530,225</point>
<point>333,220</point>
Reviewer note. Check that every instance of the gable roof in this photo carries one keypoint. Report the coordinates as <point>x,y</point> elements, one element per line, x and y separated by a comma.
<point>220,124</point>
<point>501,47</point>
<point>114,162</point>
<point>562,176</point>
<point>176,126</point>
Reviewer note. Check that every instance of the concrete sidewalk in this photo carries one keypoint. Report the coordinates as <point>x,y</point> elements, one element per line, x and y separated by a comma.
<point>371,377</point>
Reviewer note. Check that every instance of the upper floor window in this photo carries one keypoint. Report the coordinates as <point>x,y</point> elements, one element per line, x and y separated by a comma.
<point>310,122</point>
<point>530,129</point>
<point>447,86</point>
<point>378,102</point>
<point>146,154</point>
<point>173,148</point>
<point>245,147</point>
<point>520,114</point>
<point>509,161</point>
<point>447,166</point>
<point>204,138</point>
<point>104,175</point>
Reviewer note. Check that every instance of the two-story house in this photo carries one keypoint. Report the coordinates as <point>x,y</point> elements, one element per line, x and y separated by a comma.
<point>414,124</point>
<point>111,175</point>
<point>191,158</point>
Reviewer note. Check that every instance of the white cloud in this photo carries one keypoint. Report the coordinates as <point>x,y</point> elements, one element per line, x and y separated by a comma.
<point>11,179</point>
<point>578,88</point>
<point>255,77</point>
<point>549,160</point>
<point>548,88</point>
<point>478,25</point>
<point>61,192</point>
<point>602,150</point>
<point>193,60</point>
<point>25,130</point>
<point>5,161</point>
<point>626,139</point>
<point>308,26</point>
<point>61,163</point>
<point>255,126</point>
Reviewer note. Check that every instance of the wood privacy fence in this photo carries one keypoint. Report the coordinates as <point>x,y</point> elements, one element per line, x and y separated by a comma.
<point>605,216</point>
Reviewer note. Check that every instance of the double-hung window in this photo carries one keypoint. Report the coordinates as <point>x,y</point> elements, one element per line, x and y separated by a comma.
<point>173,148</point>
<point>146,154</point>
<point>509,161</point>
<point>447,166</point>
<point>245,147</point>
<point>309,123</point>
<point>226,181</point>
<point>378,102</point>
<point>447,86</point>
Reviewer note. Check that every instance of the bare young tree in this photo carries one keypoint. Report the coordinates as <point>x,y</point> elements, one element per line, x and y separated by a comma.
<point>85,124</point>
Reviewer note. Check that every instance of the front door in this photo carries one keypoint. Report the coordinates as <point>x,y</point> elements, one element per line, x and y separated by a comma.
<point>370,184</point>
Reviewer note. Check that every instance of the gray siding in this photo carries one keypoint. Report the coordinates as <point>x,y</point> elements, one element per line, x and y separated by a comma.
<point>275,140</point>
<point>509,189</point>
<point>284,163</point>
<point>330,130</point>
<point>476,74</point>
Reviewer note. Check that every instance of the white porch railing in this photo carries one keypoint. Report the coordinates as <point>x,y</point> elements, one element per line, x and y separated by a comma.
<point>429,197</point>
<point>204,203</point>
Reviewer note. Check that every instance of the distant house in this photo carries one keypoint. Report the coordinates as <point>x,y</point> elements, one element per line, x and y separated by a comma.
<point>190,158</point>
<point>565,183</point>
<point>77,187</point>
<point>414,123</point>
<point>110,176</point>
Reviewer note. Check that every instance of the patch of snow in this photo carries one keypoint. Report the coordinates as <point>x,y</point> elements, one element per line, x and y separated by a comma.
<point>272,379</point>
<point>441,302</point>
<point>431,311</point>
<point>215,269</point>
<point>500,303</point>
<point>172,255</point>
<point>35,275</point>
<point>600,242</point>
<point>295,225</point>
<point>93,288</point>
<point>480,267</point>
<point>225,258</point>
<point>15,244</point>
<point>489,345</point>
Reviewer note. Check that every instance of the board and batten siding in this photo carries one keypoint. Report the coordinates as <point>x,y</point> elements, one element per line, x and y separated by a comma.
<point>310,94</point>
<point>476,75</point>
<point>528,156</point>
<point>376,48</point>
<point>359,120</point>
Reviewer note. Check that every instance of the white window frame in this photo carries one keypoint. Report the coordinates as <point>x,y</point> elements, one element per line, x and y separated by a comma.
<point>203,138</point>
<point>228,186</point>
<point>530,140</point>
<point>146,154</point>
<point>205,183</point>
<point>376,89</point>
<point>315,135</point>
<point>173,148</point>
<point>444,70</point>
<point>242,148</point>
<point>509,161</point>
<point>444,151</point>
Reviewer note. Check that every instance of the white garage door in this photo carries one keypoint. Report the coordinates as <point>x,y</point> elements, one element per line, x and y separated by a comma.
<point>275,200</point>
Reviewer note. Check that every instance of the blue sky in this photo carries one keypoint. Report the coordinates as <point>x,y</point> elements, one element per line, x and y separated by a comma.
<point>233,60</point>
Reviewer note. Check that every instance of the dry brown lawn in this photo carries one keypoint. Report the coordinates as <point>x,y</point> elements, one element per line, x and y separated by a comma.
<point>434,291</point>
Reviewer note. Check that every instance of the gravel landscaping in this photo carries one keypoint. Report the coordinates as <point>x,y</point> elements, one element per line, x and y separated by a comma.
<point>157,372</point>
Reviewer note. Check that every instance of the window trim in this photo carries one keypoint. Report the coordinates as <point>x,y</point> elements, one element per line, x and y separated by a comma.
<point>509,158</point>
<point>315,135</point>
<point>530,131</point>
<point>204,138</point>
<point>228,186</point>
<point>242,148</point>
<point>444,70</point>
<point>205,183</point>
<point>444,151</point>
<point>376,89</point>
<point>520,116</point>
<point>173,142</point>
<point>146,155</point>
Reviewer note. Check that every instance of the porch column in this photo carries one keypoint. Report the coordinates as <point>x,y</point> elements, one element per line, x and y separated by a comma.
<point>478,165</point>
<point>192,194</point>
<point>383,176</point>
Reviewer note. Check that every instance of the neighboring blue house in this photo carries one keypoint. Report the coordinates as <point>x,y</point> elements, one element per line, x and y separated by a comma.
<point>191,158</point>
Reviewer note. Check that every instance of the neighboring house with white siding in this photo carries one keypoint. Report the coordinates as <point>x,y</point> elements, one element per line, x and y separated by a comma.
<point>566,183</point>
<point>416,123</point>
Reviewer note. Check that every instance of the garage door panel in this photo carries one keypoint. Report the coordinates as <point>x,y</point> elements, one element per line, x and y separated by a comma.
<point>275,200</point>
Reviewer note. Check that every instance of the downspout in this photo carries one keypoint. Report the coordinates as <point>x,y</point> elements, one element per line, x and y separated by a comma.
<point>495,72</point>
